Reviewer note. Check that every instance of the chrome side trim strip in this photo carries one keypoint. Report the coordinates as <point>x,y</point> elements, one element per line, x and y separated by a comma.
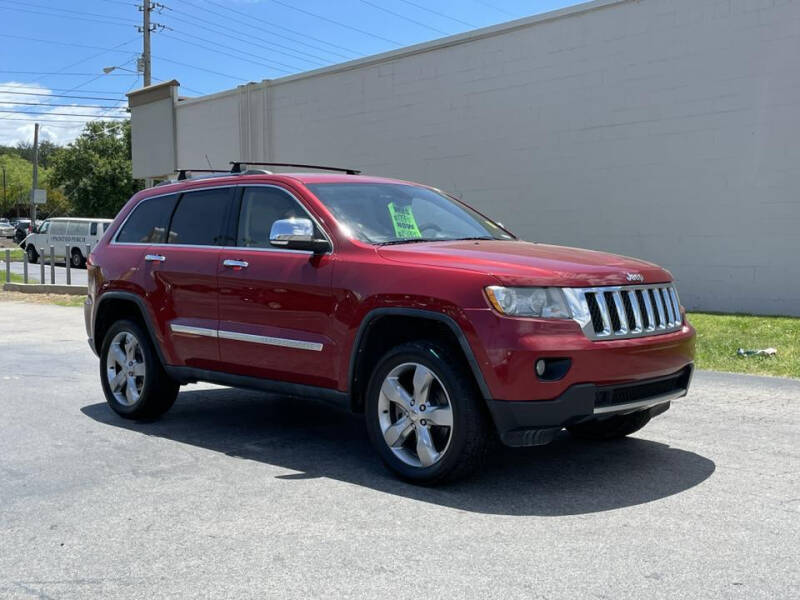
<point>246,337</point>
<point>269,341</point>
<point>189,330</point>
<point>639,404</point>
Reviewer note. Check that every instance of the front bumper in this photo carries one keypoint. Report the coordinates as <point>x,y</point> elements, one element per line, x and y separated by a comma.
<point>535,423</point>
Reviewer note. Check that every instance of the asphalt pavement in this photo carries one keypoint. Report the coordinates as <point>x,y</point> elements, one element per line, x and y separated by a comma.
<point>237,494</point>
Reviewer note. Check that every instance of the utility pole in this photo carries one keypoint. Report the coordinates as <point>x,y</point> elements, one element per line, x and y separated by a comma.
<point>35,173</point>
<point>146,8</point>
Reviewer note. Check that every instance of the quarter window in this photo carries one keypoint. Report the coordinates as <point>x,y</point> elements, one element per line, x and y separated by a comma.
<point>199,219</point>
<point>148,222</point>
<point>261,207</point>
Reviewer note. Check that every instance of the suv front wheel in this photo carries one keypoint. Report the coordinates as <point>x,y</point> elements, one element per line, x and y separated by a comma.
<point>424,415</point>
<point>134,381</point>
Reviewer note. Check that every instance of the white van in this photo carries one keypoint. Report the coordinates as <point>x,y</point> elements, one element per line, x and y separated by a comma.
<point>68,236</point>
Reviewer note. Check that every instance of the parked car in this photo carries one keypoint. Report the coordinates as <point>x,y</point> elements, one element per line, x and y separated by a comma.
<point>68,236</point>
<point>23,229</point>
<point>7,230</point>
<point>391,298</point>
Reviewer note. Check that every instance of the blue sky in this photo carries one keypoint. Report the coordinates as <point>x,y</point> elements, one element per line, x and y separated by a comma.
<point>58,48</point>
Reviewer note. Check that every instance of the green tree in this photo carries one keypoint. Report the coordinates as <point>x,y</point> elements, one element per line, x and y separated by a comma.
<point>19,179</point>
<point>95,170</point>
<point>47,150</point>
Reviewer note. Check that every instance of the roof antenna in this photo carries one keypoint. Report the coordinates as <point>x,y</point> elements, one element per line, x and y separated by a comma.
<point>209,162</point>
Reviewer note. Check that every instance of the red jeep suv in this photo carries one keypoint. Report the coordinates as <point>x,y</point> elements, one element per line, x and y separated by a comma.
<point>391,298</point>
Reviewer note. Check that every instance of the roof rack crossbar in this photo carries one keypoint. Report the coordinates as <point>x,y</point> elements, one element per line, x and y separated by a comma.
<point>236,166</point>
<point>182,173</point>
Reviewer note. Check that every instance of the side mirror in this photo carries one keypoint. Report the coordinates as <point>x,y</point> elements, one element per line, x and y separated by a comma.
<point>297,234</point>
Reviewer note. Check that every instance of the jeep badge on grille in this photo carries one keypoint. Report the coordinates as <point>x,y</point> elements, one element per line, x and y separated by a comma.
<point>635,277</point>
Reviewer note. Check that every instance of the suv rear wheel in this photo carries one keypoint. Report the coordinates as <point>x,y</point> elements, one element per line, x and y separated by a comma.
<point>424,415</point>
<point>611,428</point>
<point>134,381</point>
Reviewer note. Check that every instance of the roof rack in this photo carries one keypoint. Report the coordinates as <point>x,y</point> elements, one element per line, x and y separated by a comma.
<point>236,166</point>
<point>182,172</point>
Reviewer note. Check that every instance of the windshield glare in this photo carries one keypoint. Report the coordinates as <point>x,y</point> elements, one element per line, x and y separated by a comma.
<point>385,213</point>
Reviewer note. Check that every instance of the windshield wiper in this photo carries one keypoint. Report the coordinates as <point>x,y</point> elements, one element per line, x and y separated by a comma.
<point>409,241</point>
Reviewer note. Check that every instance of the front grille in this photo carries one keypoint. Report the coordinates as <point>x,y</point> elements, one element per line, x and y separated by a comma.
<point>626,311</point>
<point>625,394</point>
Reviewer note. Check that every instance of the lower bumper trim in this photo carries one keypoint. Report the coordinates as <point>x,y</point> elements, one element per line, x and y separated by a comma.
<point>535,423</point>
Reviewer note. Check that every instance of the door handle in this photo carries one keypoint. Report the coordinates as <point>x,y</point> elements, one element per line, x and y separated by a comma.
<point>154,258</point>
<point>236,264</point>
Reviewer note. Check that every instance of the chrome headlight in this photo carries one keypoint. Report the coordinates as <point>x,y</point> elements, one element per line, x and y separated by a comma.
<point>547,303</point>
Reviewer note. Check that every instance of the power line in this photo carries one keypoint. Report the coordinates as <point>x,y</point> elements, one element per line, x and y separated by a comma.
<point>335,22</point>
<point>15,103</point>
<point>18,112</point>
<point>405,18</point>
<point>263,64</point>
<point>249,40</point>
<point>32,121</point>
<point>275,25</point>
<point>183,64</point>
<point>50,14</point>
<point>72,44</point>
<point>441,14</point>
<point>3,91</point>
<point>66,10</point>
<point>289,68</point>
<point>65,74</point>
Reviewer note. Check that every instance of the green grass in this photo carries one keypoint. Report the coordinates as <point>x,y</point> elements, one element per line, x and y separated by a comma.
<point>719,336</point>
<point>16,255</point>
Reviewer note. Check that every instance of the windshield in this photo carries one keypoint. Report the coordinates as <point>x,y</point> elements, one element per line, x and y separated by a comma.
<point>394,213</point>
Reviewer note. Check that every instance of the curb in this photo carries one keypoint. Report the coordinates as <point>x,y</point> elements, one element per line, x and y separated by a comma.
<point>39,288</point>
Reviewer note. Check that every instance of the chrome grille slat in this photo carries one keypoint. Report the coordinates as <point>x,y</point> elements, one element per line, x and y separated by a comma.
<point>648,306</point>
<point>637,312</point>
<point>604,313</point>
<point>623,318</point>
<point>662,319</point>
<point>668,305</point>
<point>620,313</point>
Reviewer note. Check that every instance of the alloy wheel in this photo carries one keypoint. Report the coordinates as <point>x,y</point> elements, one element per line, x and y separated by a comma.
<point>125,368</point>
<point>415,415</point>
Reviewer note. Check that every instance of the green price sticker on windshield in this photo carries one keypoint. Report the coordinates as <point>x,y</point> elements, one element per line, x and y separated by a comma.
<point>405,225</point>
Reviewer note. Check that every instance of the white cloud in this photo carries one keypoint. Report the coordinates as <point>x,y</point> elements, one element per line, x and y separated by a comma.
<point>57,128</point>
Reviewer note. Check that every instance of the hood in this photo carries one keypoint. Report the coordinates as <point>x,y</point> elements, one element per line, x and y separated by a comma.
<point>528,263</point>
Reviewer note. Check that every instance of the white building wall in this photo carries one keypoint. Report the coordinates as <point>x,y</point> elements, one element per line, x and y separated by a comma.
<point>663,129</point>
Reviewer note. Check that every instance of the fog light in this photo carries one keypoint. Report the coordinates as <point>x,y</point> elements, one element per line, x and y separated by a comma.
<point>551,369</point>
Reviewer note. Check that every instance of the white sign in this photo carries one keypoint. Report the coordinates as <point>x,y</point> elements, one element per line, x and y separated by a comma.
<point>40,196</point>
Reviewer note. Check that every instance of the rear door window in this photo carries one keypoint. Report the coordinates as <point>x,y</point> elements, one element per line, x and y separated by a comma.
<point>148,222</point>
<point>93,229</point>
<point>200,218</point>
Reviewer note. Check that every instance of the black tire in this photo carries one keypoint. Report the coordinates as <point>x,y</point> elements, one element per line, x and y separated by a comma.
<point>158,391</point>
<point>76,259</point>
<point>470,433</point>
<point>611,428</point>
<point>33,256</point>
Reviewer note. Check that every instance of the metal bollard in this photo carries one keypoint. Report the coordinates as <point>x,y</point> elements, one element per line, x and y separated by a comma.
<point>25,266</point>
<point>41,265</point>
<point>88,251</point>
<point>52,265</point>
<point>8,265</point>
<point>68,263</point>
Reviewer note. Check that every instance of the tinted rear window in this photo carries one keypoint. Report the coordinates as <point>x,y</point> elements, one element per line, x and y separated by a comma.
<point>199,219</point>
<point>148,222</point>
